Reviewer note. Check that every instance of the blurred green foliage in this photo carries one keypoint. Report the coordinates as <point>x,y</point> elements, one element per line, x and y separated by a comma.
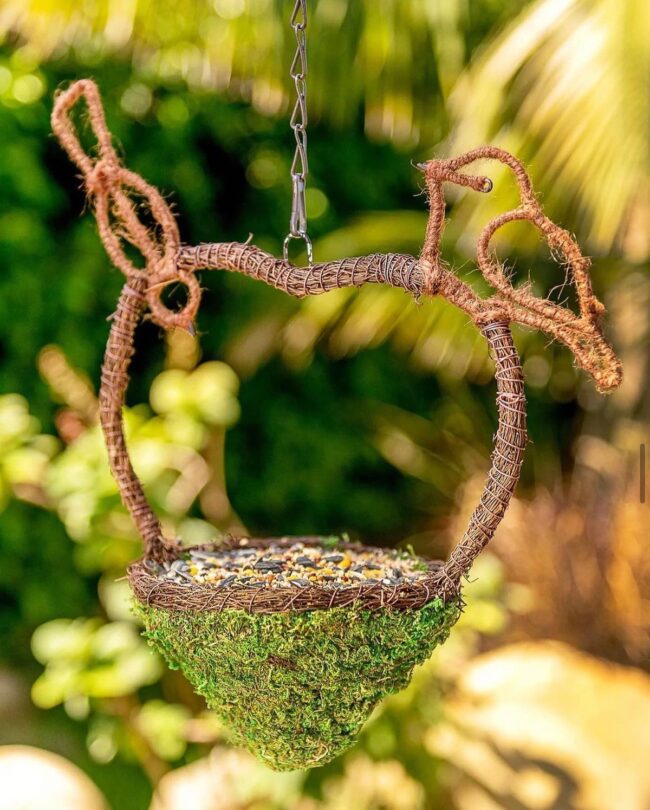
<point>357,411</point>
<point>85,658</point>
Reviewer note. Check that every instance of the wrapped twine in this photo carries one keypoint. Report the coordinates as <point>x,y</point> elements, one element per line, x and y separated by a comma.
<point>114,191</point>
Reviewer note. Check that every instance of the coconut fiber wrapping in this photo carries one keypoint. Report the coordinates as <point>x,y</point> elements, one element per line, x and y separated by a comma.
<point>117,195</point>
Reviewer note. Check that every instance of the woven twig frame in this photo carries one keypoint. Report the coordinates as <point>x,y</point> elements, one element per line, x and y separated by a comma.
<point>112,187</point>
<point>152,590</point>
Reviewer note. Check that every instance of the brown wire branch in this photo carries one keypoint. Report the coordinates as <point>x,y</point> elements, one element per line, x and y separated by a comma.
<point>581,333</point>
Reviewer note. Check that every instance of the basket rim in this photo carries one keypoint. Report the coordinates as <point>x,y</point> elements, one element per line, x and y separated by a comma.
<point>152,591</point>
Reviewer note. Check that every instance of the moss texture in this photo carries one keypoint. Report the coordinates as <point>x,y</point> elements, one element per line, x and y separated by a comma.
<point>295,688</point>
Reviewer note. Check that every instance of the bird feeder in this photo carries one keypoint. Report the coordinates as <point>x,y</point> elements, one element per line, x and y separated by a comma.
<point>295,671</point>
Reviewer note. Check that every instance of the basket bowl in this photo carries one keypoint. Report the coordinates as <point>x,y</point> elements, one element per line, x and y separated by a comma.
<point>296,677</point>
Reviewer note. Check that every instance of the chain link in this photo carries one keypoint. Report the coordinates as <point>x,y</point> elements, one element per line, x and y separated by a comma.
<point>298,122</point>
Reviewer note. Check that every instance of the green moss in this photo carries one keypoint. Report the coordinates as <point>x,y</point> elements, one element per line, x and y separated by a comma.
<point>295,688</point>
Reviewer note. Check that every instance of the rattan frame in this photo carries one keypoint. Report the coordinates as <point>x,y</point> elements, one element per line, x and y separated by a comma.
<point>112,189</point>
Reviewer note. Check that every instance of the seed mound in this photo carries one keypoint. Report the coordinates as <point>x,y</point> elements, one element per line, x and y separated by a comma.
<point>293,566</point>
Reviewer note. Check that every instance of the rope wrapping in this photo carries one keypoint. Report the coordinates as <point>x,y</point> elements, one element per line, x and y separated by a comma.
<point>112,189</point>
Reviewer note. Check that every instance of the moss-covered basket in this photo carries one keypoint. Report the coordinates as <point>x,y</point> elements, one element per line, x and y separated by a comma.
<point>295,687</point>
<point>296,681</point>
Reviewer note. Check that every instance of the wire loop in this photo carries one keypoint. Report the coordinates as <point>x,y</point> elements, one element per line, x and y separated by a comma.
<point>308,246</point>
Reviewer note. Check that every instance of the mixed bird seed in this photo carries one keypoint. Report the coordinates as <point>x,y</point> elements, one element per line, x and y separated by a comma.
<point>294,566</point>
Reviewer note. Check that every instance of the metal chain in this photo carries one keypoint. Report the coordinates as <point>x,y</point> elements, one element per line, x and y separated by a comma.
<point>298,122</point>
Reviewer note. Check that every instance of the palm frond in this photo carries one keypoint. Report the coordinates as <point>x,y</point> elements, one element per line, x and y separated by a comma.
<point>565,87</point>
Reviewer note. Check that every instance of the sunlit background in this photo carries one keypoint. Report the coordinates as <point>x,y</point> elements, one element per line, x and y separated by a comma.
<point>358,412</point>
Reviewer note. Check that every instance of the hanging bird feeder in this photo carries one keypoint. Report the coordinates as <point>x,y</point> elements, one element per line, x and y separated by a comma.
<point>293,641</point>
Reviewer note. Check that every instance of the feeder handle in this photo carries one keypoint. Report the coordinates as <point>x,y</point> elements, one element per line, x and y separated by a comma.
<point>112,391</point>
<point>112,189</point>
<point>510,439</point>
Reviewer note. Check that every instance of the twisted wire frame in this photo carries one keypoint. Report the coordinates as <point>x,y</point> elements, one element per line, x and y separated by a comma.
<point>442,580</point>
<point>118,197</point>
